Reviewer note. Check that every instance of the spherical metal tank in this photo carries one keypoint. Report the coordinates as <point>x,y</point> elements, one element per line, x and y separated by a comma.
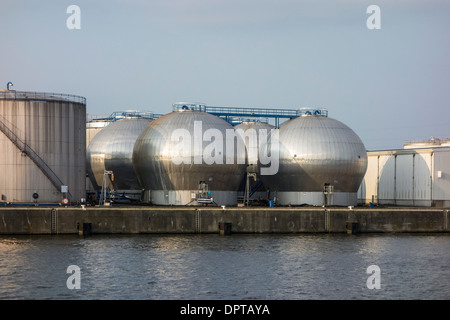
<point>251,133</point>
<point>321,162</point>
<point>180,150</point>
<point>111,149</point>
<point>42,147</point>
<point>93,127</point>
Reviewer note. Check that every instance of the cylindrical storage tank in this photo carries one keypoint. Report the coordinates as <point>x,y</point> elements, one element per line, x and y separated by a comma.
<point>321,162</point>
<point>182,149</point>
<point>42,147</point>
<point>112,149</point>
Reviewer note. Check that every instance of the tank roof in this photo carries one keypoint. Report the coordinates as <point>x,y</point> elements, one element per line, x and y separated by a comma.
<point>41,96</point>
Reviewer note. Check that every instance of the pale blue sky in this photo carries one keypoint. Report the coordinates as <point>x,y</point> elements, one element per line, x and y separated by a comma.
<point>388,85</point>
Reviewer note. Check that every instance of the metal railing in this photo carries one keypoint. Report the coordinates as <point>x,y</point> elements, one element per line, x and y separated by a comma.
<point>312,111</point>
<point>33,155</point>
<point>41,96</point>
<point>250,112</point>
<point>231,114</point>
<point>117,115</point>
<point>238,120</point>
<point>432,140</point>
<point>133,114</point>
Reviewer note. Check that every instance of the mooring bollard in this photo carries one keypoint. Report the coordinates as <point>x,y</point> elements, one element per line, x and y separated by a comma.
<point>225,228</point>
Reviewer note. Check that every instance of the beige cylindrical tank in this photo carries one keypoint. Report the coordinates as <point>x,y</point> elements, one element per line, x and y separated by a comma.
<point>42,147</point>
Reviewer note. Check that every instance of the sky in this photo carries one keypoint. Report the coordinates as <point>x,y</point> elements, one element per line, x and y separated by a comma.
<point>390,85</point>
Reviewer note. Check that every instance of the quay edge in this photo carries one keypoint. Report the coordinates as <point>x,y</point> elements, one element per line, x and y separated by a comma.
<point>206,220</point>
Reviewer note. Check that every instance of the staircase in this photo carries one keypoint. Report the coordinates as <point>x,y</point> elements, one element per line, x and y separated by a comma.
<point>30,153</point>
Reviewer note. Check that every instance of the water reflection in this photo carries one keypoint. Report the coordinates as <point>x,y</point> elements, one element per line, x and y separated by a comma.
<point>298,266</point>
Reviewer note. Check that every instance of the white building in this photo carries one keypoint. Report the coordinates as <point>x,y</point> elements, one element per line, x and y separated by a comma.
<point>407,177</point>
<point>432,142</point>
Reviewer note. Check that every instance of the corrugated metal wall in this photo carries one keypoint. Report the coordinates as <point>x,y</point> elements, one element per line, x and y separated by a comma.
<point>441,174</point>
<point>407,177</point>
<point>56,131</point>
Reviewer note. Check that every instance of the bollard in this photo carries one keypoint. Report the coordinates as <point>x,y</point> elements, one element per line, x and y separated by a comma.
<point>225,228</point>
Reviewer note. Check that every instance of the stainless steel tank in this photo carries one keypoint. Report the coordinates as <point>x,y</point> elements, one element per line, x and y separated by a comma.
<point>42,147</point>
<point>182,152</point>
<point>252,189</point>
<point>251,128</point>
<point>321,162</point>
<point>93,127</point>
<point>111,149</point>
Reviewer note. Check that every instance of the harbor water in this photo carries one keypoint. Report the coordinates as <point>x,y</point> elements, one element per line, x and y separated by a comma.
<point>234,267</point>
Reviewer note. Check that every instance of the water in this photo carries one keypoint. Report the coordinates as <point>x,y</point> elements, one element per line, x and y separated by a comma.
<point>236,267</point>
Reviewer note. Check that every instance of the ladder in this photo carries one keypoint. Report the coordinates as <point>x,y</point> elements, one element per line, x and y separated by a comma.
<point>30,153</point>
<point>54,221</point>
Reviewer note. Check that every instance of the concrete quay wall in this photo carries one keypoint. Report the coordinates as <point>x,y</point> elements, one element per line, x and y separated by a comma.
<point>166,220</point>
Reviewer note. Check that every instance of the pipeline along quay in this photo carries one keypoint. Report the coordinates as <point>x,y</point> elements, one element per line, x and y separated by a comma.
<point>220,220</point>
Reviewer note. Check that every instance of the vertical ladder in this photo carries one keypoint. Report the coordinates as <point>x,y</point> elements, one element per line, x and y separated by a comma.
<point>198,226</point>
<point>54,221</point>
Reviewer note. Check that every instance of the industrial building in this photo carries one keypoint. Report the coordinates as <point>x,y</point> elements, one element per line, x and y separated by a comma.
<point>432,142</point>
<point>42,147</point>
<point>407,177</point>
